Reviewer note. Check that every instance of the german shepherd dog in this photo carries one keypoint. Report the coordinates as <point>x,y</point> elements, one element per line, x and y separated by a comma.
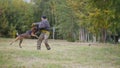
<point>27,34</point>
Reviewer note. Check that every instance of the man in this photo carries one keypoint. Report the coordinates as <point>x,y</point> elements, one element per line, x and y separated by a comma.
<point>44,27</point>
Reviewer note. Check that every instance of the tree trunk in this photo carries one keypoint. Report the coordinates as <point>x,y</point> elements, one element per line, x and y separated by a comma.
<point>94,39</point>
<point>88,37</point>
<point>82,35</point>
<point>104,33</point>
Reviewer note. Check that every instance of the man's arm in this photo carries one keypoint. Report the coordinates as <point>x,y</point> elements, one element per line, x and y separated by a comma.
<point>37,23</point>
<point>40,24</point>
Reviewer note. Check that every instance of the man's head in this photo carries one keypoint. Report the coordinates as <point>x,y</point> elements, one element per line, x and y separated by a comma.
<point>43,17</point>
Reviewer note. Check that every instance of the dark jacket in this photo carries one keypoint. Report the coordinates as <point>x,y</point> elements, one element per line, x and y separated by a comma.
<point>43,25</point>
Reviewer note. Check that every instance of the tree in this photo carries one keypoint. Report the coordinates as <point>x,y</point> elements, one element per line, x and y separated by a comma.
<point>15,16</point>
<point>103,15</point>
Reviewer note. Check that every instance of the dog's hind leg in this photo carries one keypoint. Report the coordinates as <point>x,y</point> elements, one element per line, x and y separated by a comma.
<point>17,38</point>
<point>11,42</point>
<point>20,43</point>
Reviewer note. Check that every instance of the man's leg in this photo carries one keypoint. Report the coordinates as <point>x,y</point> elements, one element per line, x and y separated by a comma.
<point>46,36</point>
<point>39,41</point>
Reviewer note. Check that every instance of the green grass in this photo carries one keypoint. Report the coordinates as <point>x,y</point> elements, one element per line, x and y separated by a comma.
<point>63,55</point>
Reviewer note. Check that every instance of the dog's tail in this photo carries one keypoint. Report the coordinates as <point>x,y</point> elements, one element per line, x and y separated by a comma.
<point>17,34</point>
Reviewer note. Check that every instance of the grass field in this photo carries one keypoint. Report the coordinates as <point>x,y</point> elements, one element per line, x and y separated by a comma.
<point>63,55</point>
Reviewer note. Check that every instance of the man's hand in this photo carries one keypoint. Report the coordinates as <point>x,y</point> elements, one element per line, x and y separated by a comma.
<point>33,24</point>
